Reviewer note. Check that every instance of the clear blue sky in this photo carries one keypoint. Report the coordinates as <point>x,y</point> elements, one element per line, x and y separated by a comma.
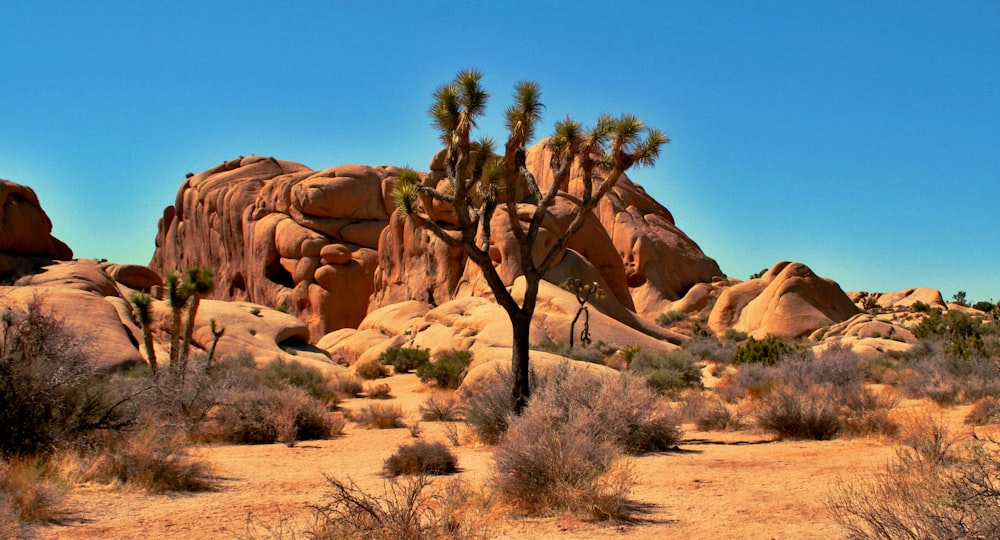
<point>861,138</point>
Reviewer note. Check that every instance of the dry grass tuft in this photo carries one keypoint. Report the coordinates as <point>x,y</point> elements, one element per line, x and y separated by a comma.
<point>379,416</point>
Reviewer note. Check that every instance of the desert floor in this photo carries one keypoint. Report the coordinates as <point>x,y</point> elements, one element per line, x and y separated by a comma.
<point>719,485</point>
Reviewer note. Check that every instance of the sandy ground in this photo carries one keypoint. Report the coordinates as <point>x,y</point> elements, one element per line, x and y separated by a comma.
<point>729,485</point>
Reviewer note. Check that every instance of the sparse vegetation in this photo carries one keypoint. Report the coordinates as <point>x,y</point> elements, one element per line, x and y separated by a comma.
<point>929,491</point>
<point>671,317</point>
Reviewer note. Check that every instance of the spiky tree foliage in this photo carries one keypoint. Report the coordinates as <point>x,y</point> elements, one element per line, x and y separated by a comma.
<point>481,182</point>
<point>142,307</point>
<point>200,281</point>
<point>178,294</point>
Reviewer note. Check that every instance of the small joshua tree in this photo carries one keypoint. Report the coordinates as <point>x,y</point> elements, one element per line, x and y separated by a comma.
<point>142,307</point>
<point>178,294</point>
<point>583,293</point>
<point>482,181</point>
<point>200,282</point>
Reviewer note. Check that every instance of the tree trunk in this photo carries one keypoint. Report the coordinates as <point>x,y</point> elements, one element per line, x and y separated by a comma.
<point>175,338</point>
<point>147,341</point>
<point>188,331</point>
<point>520,366</point>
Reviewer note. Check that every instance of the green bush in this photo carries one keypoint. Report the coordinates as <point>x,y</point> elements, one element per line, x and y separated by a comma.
<point>421,458</point>
<point>671,317</point>
<point>735,335</point>
<point>668,372</point>
<point>404,359</point>
<point>768,351</point>
<point>307,378</point>
<point>984,306</point>
<point>447,370</point>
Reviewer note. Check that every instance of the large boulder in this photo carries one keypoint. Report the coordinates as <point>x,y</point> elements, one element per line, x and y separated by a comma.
<point>788,300</point>
<point>25,229</point>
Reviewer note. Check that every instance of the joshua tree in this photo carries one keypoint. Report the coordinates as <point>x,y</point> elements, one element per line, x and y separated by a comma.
<point>141,304</point>
<point>481,181</point>
<point>178,294</point>
<point>199,282</point>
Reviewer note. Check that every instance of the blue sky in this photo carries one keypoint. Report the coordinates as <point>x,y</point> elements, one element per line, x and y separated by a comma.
<point>861,138</point>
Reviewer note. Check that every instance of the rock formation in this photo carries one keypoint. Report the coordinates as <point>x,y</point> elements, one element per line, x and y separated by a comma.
<point>279,234</point>
<point>788,300</point>
<point>328,245</point>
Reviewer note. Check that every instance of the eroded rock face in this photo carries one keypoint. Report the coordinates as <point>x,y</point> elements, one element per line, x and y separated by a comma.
<point>788,300</point>
<point>280,234</point>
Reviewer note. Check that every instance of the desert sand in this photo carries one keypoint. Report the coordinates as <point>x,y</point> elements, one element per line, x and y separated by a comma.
<point>718,485</point>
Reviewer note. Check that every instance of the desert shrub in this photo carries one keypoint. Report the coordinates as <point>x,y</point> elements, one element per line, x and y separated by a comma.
<point>985,411</point>
<point>768,351</point>
<point>27,494</point>
<point>378,391</point>
<point>710,348</point>
<point>266,415</point>
<point>546,458</point>
<point>671,317</point>
<point>51,393</point>
<point>797,413</point>
<point>307,378</point>
<point>350,386</point>
<point>749,380</point>
<point>409,508</point>
<point>447,370</point>
<point>946,378</point>
<point>920,495</point>
<point>668,372</point>
<point>421,458</point>
<point>405,359</point>
<point>154,459</point>
<point>836,365</point>
<point>807,397</point>
<point>719,416</point>
<point>370,369</point>
<point>920,307</point>
<point>379,416</point>
<point>440,408</point>
<point>487,406</point>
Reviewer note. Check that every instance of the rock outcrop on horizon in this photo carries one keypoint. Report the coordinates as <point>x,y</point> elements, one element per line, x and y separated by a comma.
<point>329,246</point>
